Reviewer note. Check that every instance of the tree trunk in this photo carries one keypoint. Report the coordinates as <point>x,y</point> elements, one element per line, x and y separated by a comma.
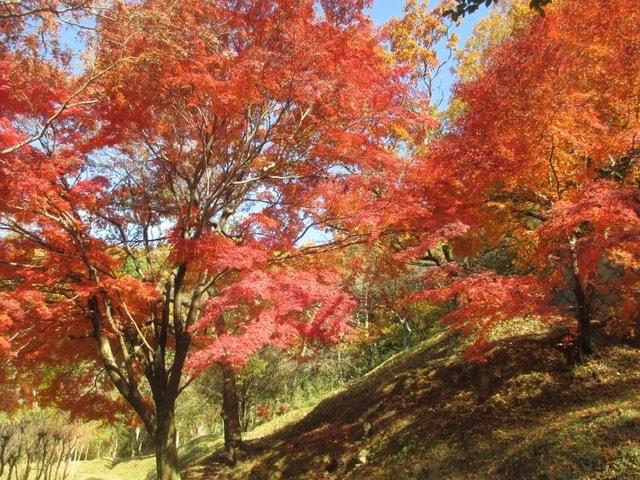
<point>12,465</point>
<point>166,448</point>
<point>583,341</point>
<point>60,458</point>
<point>582,296</point>
<point>230,413</point>
<point>42,462</point>
<point>5,441</point>
<point>68,457</point>
<point>27,468</point>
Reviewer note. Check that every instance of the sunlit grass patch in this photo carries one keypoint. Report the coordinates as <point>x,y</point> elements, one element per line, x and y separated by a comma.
<point>519,327</point>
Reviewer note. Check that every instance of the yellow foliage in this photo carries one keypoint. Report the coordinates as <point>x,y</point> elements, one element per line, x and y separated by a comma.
<point>413,37</point>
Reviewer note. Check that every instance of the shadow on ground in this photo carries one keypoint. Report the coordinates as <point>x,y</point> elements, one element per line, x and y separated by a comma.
<point>427,414</point>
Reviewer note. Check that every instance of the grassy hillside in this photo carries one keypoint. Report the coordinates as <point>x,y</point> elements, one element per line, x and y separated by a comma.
<point>427,414</point>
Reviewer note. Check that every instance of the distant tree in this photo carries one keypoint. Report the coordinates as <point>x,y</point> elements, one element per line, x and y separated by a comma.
<point>41,444</point>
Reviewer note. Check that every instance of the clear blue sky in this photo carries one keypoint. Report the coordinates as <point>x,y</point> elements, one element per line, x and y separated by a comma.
<point>383,10</point>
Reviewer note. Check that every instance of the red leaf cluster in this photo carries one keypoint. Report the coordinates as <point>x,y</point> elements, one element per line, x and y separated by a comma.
<point>278,307</point>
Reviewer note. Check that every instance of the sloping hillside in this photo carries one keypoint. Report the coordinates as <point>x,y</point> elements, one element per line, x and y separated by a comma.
<point>427,414</point>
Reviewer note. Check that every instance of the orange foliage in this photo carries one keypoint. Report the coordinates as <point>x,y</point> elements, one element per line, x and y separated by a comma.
<point>553,115</point>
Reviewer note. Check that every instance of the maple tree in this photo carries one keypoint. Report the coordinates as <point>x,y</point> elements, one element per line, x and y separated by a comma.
<point>163,204</point>
<point>279,307</point>
<point>543,159</point>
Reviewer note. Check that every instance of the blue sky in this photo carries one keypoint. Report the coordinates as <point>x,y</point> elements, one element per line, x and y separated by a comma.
<point>383,10</point>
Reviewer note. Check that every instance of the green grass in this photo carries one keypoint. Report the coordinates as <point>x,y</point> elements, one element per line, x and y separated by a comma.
<point>137,469</point>
<point>143,468</point>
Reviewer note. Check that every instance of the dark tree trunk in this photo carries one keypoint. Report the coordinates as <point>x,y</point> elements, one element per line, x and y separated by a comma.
<point>165,445</point>
<point>164,377</point>
<point>245,416</point>
<point>583,314</point>
<point>230,413</point>
<point>582,296</point>
<point>446,251</point>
